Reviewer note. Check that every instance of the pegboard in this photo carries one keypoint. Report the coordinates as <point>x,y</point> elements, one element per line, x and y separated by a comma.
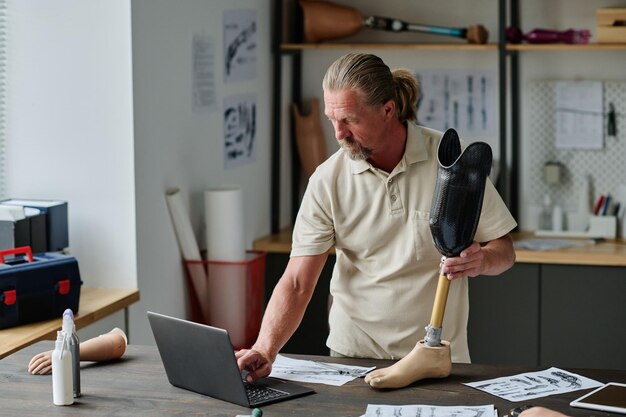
<point>606,167</point>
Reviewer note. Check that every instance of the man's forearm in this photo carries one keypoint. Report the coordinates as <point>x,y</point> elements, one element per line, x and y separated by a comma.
<point>288,303</point>
<point>500,255</point>
<point>282,317</point>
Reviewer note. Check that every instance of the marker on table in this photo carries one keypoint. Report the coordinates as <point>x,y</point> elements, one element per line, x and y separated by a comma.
<point>257,412</point>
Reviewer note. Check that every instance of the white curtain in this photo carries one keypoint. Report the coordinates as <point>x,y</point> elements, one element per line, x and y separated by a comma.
<point>3,104</point>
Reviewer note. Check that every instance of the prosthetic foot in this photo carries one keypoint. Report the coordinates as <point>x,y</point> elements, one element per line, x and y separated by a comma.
<point>422,362</point>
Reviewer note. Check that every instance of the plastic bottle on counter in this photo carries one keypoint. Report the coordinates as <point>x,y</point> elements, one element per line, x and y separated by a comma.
<point>557,218</point>
<point>62,387</point>
<point>74,346</point>
<point>545,220</point>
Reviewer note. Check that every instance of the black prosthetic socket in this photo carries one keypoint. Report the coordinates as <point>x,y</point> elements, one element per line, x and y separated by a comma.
<point>459,192</point>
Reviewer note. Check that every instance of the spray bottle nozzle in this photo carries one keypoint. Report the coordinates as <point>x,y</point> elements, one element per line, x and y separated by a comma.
<point>68,321</point>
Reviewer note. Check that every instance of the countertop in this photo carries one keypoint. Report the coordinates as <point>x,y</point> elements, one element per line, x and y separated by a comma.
<point>596,253</point>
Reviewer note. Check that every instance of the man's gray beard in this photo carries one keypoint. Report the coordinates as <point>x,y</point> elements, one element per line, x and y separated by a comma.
<point>356,152</point>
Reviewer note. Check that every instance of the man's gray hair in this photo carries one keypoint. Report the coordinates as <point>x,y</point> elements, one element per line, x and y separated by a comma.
<point>372,77</point>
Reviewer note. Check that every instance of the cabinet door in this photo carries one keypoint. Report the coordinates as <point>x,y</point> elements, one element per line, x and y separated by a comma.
<point>310,337</point>
<point>583,311</point>
<point>504,317</point>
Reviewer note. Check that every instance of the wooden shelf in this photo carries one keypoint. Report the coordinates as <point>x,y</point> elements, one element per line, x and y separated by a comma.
<point>400,46</point>
<point>565,47</point>
<point>277,243</point>
<point>454,46</point>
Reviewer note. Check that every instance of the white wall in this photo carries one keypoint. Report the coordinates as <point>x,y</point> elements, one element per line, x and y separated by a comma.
<point>100,115</point>
<point>70,126</point>
<point>176,147</point>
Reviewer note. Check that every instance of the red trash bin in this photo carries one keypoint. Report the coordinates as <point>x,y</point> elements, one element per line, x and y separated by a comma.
<point>236,295</point>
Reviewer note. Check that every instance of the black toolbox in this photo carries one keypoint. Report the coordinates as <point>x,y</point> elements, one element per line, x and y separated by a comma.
<point>35,288</point>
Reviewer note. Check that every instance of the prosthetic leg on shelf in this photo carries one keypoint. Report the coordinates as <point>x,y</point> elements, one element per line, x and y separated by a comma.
<point>324,20</point>
<point>454,217</point>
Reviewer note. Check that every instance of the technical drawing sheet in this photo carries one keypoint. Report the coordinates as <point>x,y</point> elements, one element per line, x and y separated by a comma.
<point>535,384</point>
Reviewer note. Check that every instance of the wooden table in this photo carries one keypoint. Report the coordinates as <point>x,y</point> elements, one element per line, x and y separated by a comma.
<point>137,386</point>
<point>95,304</point>
<point>611,252</point>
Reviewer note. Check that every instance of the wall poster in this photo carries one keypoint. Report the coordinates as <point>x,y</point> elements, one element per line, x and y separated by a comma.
<point>239,130</point>
<point>240,45</point>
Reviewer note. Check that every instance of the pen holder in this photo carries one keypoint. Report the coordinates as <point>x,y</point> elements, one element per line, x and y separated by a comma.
<point>603,226</point>
<point>599,227</point>
<point>236,292</point>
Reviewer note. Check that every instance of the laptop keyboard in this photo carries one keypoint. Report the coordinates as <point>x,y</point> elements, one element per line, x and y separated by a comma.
<point>258,393</point>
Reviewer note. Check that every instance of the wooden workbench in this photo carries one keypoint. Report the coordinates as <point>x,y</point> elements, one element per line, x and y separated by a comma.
<point>602,253</point>
<point>95,304</point>
<point>137,385</point>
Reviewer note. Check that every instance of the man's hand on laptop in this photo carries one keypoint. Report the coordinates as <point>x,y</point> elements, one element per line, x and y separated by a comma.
<point>257,364</point>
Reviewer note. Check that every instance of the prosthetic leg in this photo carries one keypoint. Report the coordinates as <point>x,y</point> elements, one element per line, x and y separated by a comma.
<point>324,20</point>
<point>454,217</point>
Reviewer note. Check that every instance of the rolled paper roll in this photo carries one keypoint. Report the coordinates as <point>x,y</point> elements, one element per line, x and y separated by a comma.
<point>189,249</point>
<point>224,217</point>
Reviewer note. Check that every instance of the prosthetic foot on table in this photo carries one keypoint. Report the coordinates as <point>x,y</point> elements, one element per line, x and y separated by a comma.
<point>454,217</point>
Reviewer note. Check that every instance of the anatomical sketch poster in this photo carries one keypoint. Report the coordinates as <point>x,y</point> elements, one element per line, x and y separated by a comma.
<point>239,130</point>
<point>463,100</point>
<point>240,45</point>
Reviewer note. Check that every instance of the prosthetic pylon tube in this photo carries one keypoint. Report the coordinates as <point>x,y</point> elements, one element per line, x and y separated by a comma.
<point>433,331</point>
<point>454,217</point>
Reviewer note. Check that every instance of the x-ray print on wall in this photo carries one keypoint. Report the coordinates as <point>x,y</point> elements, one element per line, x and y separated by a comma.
<point>240,45</point>
<point>239,130</point>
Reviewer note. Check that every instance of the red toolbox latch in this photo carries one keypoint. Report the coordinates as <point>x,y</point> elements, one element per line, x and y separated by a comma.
<point>9,297</point>
<point>64,286</point>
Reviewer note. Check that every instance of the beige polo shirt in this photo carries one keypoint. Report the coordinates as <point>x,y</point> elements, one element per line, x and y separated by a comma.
<point>387,268</point>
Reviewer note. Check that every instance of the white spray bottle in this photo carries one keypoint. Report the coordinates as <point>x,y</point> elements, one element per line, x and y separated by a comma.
<point>74,345</point>
<point>62,392</point>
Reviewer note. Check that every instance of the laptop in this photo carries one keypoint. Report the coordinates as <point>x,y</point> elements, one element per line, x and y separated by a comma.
<point>201,359</point>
